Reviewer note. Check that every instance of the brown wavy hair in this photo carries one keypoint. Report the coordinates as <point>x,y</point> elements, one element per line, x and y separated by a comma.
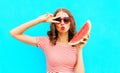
<point>53,33</point>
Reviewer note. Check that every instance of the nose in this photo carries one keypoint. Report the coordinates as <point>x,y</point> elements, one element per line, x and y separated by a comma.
<point>62,22</point>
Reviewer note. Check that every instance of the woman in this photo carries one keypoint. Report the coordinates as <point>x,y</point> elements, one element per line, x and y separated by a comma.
<point>61,57</point>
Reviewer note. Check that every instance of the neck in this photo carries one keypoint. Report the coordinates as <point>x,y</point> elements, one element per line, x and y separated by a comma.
<point>63,37</point>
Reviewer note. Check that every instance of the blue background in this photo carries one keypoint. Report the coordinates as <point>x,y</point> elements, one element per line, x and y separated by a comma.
<point>101,54</point>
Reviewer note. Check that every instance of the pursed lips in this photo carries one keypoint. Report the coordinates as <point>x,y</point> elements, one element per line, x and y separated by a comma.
<point>62,28</point>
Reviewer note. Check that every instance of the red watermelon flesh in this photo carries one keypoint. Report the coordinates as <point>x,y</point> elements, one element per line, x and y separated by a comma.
<point>81,34</point>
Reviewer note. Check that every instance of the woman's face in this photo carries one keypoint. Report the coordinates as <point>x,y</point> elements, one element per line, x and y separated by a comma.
<point>64,20</point>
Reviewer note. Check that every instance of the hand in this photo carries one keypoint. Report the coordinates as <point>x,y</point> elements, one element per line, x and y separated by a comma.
<point>84,41</point>
<point>48,18</point>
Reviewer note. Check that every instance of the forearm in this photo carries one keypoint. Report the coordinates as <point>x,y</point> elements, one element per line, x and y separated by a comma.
<point>20,29</point>
<point>80,64</point>
<point>80,67</point>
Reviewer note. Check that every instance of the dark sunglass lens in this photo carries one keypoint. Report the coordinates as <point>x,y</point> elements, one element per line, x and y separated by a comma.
<point>58,19</point>
<point>66,19</point>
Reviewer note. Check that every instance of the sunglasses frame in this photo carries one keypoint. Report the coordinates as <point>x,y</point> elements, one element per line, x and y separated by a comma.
<point>63,19</point>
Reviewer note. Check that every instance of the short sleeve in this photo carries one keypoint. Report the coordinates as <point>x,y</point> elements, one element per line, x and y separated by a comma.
<point>42,42</point>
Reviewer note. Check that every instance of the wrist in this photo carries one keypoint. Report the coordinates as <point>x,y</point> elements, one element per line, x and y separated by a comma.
<point>38,20</point>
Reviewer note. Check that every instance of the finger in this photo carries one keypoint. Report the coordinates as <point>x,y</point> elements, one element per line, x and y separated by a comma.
<point>55,17</point>
<point>88,35</point>
<point>55,21</point>
<point>49,14</point>
<point>82,42</point>
<point>85,39</point>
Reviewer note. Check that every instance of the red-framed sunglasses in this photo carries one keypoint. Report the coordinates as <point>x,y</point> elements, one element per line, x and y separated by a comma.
<point>65,19</point>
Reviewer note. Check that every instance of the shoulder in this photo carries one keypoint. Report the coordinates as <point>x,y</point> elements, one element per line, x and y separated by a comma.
<point>42,41</point>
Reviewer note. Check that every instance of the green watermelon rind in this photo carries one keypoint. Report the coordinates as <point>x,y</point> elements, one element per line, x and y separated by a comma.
<point>74,43</point>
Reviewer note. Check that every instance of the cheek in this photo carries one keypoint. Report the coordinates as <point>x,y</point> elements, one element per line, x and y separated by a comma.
<point>68,26</point>
<point>57,25</point>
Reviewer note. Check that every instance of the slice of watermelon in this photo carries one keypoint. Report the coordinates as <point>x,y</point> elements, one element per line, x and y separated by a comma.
<point>81,34</point>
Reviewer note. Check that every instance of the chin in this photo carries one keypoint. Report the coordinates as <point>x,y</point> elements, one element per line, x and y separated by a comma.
<point>63,31</point>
